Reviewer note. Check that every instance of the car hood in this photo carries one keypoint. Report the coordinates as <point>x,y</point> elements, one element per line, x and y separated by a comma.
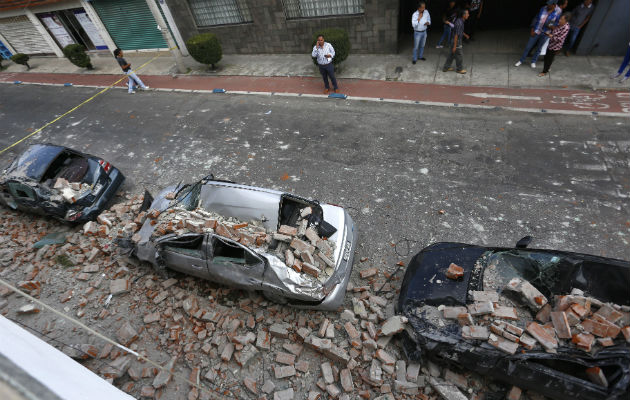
<point>425,281</point>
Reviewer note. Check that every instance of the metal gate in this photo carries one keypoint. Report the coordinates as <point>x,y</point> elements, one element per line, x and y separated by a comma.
<point>23,36</point>
<point>130,24</point>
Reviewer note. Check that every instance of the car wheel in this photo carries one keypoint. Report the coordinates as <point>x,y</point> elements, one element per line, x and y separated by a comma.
<point>276,298</point>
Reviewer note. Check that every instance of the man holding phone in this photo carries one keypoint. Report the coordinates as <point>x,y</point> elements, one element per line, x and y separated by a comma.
<point>324,52</point>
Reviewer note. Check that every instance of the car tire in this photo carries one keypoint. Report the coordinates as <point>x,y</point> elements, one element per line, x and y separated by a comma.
<point>276,298</point>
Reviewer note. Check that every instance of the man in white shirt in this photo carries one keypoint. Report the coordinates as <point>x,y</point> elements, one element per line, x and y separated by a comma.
<point>325,54</point>
<point>420,21</point>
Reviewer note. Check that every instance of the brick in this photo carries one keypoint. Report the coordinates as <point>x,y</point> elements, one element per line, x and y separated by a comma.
<point>278,330</point>
<point>285,371</point>
<point>609,313</point>
<point>302,246</point>
<point>384,357</point>
<point>287,230</point>
<point>560,324</point>
<point>606,342</point>
<point>454,272</point>
<point>465,319</point>
<point>310,269</point>
<point>226,354</point>
<point>302,366</point>
<point>504,312</point>
<point>368,273</point>
<point>542,335</point>
<point>481,308</point>
<point>583,341</point>
<point>393,325</point>
<point>327,373</point>
<point>413,370</point>
<point>311,235</point>
<point>475,332</point>
<point>544,315</point>
<point>293,348</point>
<point>485,295</point>
<point>612,330</point>
<point>572,317</point>
<point>401,370</point>
<point>351,330</point>
<point>119,286</point>
<point>514,393</point>
<point>528,294</point>
<point>503,344</point>
<point>447,390</point>
<point>286,394</point>
<point>152,317</point>
<point>513,329</point>
<point>333,391</point>
<point>268,387</point>
<point>314,395</point>
<point>285,358</point>
<point>579,310</point>
<point>596,375</point>
<point>345,378</point>
<point>594,327</point>
<point>126,334</point>
<point>456,379</point>
<point>164,376</point>
<point>626,333</point>
<point>336,354</point>
<point>453,312</point>
<point>147,391</point>
<point>263,340</point>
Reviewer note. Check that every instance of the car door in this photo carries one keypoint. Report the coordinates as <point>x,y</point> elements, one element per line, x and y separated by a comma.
<point>186,253</point>
<point>233,264</point>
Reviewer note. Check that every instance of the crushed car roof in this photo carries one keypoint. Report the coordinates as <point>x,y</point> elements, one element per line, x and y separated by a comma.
<point>34,162</point>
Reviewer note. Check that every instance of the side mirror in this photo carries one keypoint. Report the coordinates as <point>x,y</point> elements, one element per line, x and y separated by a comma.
<point>524,242</point>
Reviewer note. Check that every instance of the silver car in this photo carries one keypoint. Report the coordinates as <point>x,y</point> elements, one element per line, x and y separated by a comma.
<point>252,260</point>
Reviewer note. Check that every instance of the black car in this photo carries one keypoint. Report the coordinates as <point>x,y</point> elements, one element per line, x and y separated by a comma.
<point>559,375</point>
<point>59,182</point>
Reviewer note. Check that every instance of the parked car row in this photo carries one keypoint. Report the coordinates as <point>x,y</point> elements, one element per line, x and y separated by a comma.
<point>300,252</point>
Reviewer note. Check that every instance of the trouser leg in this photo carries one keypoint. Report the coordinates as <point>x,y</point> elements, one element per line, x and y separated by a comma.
<point>625,62</point>
<point>422,42</point>
<point>449,59</point>
<point>331,74</point>
<point>137,79</point>
<point>324,72</point>
<point>459,58</point>
<point>539,44</point>
<point>551,54</point>
<point>416,43</point>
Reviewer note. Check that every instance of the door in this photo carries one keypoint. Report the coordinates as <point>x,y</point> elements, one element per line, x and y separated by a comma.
<point>130,24</point>
<point>233,264</point>
<point>186,254</point>
<point>23,36</point>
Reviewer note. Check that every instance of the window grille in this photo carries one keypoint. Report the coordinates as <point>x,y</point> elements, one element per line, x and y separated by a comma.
<point>320,8</point>
<point>220,12</point>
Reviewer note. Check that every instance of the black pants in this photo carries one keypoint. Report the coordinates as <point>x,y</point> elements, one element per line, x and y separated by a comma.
<point>328,71</point>
<point>458,56</point>
<point>551,54</point>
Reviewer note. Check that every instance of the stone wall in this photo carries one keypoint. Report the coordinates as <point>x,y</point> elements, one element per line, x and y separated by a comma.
<point>375,31</point>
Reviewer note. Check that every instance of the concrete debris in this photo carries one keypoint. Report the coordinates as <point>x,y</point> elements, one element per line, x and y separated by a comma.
<point>393,325</point>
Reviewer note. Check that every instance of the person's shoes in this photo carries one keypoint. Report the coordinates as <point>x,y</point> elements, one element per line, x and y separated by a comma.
<point>145,88</point>
<point>335,91</point>
<point>448,69</point>
<point>413,62</point>
<point>439,46</point>
<point>326,91</point>
<point>542,74</point>
<point>518,64</point>
<point>533,65</point>
<point>132,92</point>
<point>622,80</point>
<point>423,59</point>
<point>566,53</point>
<point>461,71</point>
<point>615,75</point>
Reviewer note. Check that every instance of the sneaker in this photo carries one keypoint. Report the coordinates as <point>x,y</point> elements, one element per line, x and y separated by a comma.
<point>533,65</point>
<point>439,46</point>
<point>615,76</point>
<point>423,59</point>
<point>518,64</point>
<point>132,92</point>
<point>413,62</point>
<point>461,71</point>
<point>146,88</point>
<point>625,78</point>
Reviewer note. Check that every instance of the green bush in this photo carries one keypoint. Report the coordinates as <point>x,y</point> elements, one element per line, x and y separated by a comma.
<point>205,48</point>
<point>339,40</point>
<point>76,54</point>
<point>21,58</point>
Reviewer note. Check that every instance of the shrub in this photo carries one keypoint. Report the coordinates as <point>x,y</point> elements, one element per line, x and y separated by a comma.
<point>21,58</point>
<point>205,48</point>
<point>339,40</point>
<point>76,54</point>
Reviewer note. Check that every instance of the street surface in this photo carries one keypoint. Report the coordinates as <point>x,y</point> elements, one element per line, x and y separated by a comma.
<point>409,174</point>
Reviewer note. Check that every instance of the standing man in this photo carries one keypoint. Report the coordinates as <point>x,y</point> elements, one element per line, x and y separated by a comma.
<point>547,16</point>
<point>134,81</point>
<point>556,40</point>
<point>456,52</point>
<point>579,17</point>
<point>325,54</point>
<point>420,21</point>
<point>475,8</point>
<point>449,17</point>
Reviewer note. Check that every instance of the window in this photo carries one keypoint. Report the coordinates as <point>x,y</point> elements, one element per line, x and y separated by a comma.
<point>318,8</point>
<point>219,12</point>
<point>22,191</point>
<point>189,245</point>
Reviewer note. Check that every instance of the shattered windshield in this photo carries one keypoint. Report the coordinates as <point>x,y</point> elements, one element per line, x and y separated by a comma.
<point>188,197</point>
<point>541,269</point>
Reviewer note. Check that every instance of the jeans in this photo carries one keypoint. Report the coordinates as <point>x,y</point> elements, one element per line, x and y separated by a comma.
<point>134,81</point>
<point>458,56</point>
<point>446,35</point>
<point>625,63</point>
<point>419,40</point>
<point>328,71</point>
<point>534,42</point>
<point>573,34</point>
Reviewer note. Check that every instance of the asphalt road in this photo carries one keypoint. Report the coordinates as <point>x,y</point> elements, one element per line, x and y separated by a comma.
<point>497,175</point>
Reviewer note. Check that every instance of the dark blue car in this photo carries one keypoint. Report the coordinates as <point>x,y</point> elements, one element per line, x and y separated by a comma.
<point>59,182</point>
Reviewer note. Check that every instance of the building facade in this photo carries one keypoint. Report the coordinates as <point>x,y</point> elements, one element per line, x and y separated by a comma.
<point>287,26</point>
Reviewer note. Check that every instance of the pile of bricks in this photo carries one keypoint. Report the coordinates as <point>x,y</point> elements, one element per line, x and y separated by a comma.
<point>70,192</point>
<point>299,247</point>
<point>573,320</point>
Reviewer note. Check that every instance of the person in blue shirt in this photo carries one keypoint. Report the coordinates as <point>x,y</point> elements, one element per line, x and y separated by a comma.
<point>547,18</point>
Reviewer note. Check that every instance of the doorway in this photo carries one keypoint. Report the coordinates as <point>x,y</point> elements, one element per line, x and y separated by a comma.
<point>72,26</point>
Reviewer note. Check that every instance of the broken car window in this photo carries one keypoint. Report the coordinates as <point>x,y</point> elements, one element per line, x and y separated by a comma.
<point>188,197</point>
<point>187,245</point>
<point>225,252</point>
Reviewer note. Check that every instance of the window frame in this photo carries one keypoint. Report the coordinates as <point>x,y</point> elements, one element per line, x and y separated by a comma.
<point>241,6</point>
